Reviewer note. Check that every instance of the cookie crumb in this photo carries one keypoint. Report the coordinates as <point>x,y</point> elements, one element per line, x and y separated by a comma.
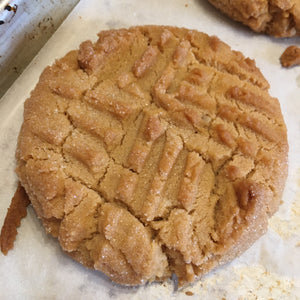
<point>290,57</point>
<point>189,293</point>
<point>15,213</point>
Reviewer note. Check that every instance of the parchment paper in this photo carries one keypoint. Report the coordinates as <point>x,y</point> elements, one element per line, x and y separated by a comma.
<point>38,269</point>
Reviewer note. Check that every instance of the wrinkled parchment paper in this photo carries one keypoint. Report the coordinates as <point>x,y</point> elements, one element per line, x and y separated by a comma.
<point>38,269</point>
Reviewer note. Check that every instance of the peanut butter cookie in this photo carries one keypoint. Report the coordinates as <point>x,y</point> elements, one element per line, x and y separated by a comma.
<point>154,150</point>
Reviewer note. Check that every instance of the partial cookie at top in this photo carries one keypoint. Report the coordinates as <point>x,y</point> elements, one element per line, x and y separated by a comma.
<point>154,150</point>
<point>279,18</point>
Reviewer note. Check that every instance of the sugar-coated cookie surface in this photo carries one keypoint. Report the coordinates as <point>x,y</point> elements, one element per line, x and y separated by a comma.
<point>279,18</point>
<point>155,150</point>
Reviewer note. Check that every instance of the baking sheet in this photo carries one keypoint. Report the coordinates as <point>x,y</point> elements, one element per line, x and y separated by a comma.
<point>38,269</point>
<point>24,31</point>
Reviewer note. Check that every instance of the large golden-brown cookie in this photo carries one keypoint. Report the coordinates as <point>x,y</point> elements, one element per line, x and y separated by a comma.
<point>279,18</point>
<point>154,150</point>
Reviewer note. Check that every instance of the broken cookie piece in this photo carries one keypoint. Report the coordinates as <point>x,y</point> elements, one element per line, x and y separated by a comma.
<point>15,213</point>
<point>290,57</point>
